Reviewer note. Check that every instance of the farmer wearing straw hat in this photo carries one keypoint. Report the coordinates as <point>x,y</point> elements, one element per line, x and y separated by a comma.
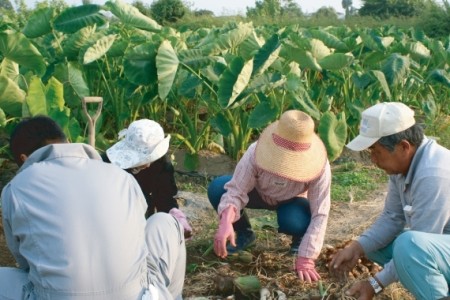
<point>286,170</point>
<point>76,226</point>
<point>141,151</point>
<point>411,237</point>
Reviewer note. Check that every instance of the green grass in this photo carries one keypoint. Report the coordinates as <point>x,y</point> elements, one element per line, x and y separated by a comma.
<point>192,183</point>
<point>352,181</point>
<point>440,129</point>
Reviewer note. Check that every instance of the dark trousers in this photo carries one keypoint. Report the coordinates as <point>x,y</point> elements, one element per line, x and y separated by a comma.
<point>293,215</point>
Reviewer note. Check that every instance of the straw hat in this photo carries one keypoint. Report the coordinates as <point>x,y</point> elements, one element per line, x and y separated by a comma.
<point>290,148</point>
<point>142,143</point>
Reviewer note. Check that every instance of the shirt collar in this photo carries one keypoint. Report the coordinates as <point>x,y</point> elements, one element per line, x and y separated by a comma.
<point>416,160</point>
<point>53,151</point>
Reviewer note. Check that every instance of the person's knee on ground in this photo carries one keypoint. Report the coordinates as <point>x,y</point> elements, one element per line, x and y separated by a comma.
<point>216,190</point>
<point>293,219</point>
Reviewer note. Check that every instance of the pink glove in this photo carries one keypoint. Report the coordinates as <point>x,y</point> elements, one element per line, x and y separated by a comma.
<point>306,269</point>
<point>225,232</point>
<point>181,217</point>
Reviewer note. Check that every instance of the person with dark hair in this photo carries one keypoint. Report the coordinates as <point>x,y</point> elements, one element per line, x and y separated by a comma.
<point>286,170</point>
<point>34,133</point>
<point>411,237</point>
<point>141,151</point>
<point>76,226</point>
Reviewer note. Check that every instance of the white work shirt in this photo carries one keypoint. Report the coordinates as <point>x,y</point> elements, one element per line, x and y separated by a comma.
<point>76,225</point>
<point>419,201</point>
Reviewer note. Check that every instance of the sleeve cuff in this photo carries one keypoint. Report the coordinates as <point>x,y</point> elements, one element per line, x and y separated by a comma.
<point>388,275</point>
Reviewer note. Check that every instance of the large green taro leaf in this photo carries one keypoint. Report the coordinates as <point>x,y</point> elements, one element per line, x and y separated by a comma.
<point>396,68</point>
<point>140,64</point>
<point>98,49</point>
<point>234,80</point>
<point>267,54</point>
<point>262,114</point>
<point>333,132</point>
<point>39,23</point>
<point>167,65</point>
<point>36,102</point>
<point>16,47</point>
<point>336,61</point>
<point>74,18</point>
<point>130,15</point>
<point>11,97</point>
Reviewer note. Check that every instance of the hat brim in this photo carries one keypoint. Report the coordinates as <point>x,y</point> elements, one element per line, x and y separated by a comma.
<point>361,142</point>
<point>160,150</point>
<point>301,166</point>
<point>122,155</point>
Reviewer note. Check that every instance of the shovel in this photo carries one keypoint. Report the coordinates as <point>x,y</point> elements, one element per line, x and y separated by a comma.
<point>92,119</point>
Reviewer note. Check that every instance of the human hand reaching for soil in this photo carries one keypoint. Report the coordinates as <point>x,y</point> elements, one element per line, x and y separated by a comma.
<point>361,290</point>
<point>306,269</point>
<point>345,259</point>
<point>225,232</point>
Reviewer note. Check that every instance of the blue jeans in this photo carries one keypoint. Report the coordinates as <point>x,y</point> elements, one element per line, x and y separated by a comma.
<point>293,215</point>
<point>422,261</point>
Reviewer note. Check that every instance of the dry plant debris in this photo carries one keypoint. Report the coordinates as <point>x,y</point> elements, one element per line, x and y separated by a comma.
<point>214,278</point>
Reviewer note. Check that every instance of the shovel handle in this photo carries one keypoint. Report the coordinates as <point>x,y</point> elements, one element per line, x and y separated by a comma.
<point>92,119</point>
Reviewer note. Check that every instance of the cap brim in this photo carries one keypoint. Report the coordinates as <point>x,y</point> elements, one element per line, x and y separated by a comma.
<point>361,143</point>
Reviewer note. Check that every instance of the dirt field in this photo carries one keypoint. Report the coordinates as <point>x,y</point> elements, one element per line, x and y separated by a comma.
<point>268,259</point>
<point>271,263</point>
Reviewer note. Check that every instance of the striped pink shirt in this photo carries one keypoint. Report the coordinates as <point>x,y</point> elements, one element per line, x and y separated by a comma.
<point>275,189</point>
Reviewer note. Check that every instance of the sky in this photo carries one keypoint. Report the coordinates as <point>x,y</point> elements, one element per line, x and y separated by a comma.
<point>234,7</point>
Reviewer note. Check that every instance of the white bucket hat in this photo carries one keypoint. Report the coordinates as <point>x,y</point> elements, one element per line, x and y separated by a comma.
<point>142,143</point>
<point>381,120</point>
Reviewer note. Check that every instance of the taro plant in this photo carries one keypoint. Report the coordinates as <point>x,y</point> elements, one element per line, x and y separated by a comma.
<point>213,84</point>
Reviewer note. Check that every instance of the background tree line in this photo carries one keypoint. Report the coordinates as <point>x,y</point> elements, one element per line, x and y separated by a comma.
<point>430,16</point>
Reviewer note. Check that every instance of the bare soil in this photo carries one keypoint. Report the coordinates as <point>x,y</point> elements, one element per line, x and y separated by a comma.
<point>8,170</point>
<point>269,260</point>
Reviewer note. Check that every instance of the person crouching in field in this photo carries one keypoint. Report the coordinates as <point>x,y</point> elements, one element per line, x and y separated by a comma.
<point>286,170</point>
<point>141,151</point>
<point>411,237</point>
<point>76,227</point>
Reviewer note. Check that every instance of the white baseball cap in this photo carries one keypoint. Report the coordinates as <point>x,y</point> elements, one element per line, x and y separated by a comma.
<point>381,120</point>
<point>141,143</point>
